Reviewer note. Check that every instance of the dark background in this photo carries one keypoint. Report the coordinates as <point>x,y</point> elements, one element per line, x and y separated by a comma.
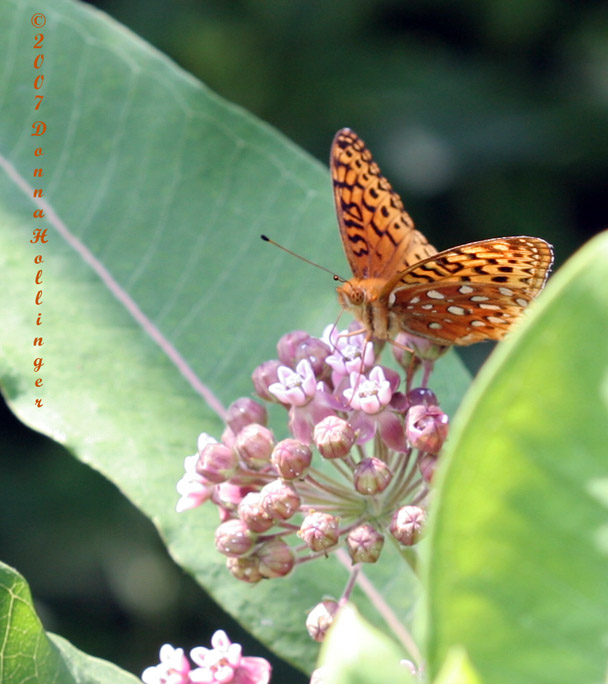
<point>490,117</point>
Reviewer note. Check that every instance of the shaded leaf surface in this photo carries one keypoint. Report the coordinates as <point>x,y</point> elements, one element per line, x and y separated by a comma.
<point>29,654</point>
<point>155,192</point>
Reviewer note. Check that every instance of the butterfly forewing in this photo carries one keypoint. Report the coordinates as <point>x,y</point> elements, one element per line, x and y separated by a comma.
<point>378,235</point>
<point>470,293</point>
<point>463,295</point>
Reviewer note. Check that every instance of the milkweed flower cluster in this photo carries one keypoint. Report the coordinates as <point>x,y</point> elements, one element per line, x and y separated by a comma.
<point>356,465</point>
<point>223,663</point>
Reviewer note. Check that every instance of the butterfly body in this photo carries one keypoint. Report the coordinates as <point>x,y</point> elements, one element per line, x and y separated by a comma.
<point>367,300</point>
<point>400,282</point>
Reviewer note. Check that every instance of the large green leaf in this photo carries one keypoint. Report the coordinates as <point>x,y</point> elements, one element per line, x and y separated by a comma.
<point>29,654</point>
<point>159,298</point>
<point>519,551</point>
<point>356,653</point>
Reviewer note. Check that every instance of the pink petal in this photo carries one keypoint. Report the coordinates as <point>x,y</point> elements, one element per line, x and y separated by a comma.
<point>391,431</point>
<point>253,671</point>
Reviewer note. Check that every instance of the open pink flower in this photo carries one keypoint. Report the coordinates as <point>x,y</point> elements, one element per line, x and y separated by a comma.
<point>225,664</point>
<point>307,397</point>
<point>173,668</point>
<point>350,353</point>
<point>193,488</point>
<point>370,398</point>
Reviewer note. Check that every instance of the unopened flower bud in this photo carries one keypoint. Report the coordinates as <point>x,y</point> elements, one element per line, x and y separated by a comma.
<point>364,543</point>
<point>254,444</point>
<point>232,538</point>
<point>288,345</point>
<point>319,531</point>
<point>421,395</point>
<point>320,618</point>
<point>217,462</point>
<point>401,351</point>
<point>372,476</point>
<point>276,559</point>
<point>246,569</point>
<point>245,411</point>
<point>407,524</point>
<point>316,351</point>
<point>333,437</point>
<point>280,500</point>
<point>426,428</point>
<point>251,512</point>
<point>427,464</point>
<point>264,376</point>
<point>291,459</point>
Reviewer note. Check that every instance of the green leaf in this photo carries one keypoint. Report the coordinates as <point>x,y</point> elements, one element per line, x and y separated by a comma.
<point>457,669</point>
<point>158,297</point>
<point>356,653</point>
<point>519,550</point>
<point>29,654</point>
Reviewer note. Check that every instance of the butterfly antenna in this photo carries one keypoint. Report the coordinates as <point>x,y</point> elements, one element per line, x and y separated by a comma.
<point>308,261</point>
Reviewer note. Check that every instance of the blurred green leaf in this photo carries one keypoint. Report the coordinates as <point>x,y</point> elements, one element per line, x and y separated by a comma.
<point>155,193</point>
<point>518,550</point>
<point>355,653</point>
<point>29,654</point>
<point>457,669</point>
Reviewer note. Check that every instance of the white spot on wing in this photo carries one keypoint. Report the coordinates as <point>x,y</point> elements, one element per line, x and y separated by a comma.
<point>433,294</point>
<point>456,310</point>
<point>465,289</point>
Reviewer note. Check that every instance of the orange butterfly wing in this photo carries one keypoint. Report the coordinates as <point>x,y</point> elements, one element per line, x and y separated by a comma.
<point>459,296</point>
<point>378,235</point>
<point>470,293</point>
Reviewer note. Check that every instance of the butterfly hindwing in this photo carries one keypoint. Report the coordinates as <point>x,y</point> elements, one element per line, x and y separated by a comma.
<point>470,293</point>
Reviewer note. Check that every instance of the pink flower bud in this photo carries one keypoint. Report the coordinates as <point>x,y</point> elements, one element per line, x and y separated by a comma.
<point>316,351</point>
<point>264,376</point>
<point>426,428</point>
<point>320,618</point>
<point>254,444</point>
<point>421,395</point>
<point>246,569</point>
<point>217,462</point>
<point>291,459</point>
<point>276,559</point>
<point>333,437</point>
<point>427,464</point>
<point>319,531</point>
<point>232,538</point>
<point>253,515</point>
<point>245,411</point>
<point>406,359</point>
<point>407,524</point>
<point>280,499</point>
<point>288,345</point>
<point>364,543</point>
<point>372,476</point>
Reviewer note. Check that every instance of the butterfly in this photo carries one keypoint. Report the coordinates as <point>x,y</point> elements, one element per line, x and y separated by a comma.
<point>401,283</point>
